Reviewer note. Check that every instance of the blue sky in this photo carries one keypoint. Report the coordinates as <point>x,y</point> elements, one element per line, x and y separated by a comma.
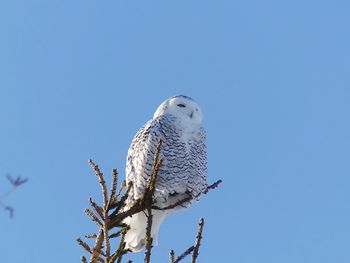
<point>78,78</point>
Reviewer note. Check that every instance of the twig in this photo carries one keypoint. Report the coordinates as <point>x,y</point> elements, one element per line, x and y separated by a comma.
<point>92,235</point>
<point>184,254</point>
<point>97,208</point>
<point>113,187</point>
<point>114,235</point>
<point>92,216</point>
<point>121,188</point>
<point>189,198</point>
<point>172,256</point>
<point>148,200</point>
<point>84,245</point>
<point>102,182</point>
<point>7,208</point>
<point>120,251</point>
<point>105,233</point>
<point>96,250</point>
<point>15,182</point>
<point>149,239</point>
<point>197,243</point>
<point>194,248</point>
<point>212,186</point>
<point>121,203</point>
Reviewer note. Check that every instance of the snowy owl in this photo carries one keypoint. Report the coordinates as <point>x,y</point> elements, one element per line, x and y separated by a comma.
<point>178,123</point>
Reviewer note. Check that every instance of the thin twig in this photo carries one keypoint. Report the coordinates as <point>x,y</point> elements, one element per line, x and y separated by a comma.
<point>96,250</point>
<point>98,209</point>
<point>102,181</point>
<point>148,199</point>
<point>92,216</point>
<point>84,245</point>
<point>114,235</point>
<point>104,212</point>
<point>7,208</point>
<point>121,187</point>
<point>15,182</point>
<point>92,235</point>
<point>189,198</point>
<point>113,187</point>
<point>212,186</point>
<point>122,202</point>
<point>121,247</point>
<point>197,243</point>
<point>105,233</point>
<point>184,254</point>
<point>149,239</point>
<point>172,256</point>
<point>8,192</point>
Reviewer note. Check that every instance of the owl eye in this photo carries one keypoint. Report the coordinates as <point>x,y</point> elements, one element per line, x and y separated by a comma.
<point>181,105</point>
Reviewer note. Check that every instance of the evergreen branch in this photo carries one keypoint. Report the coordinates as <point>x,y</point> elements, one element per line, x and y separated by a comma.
<point>101,251</point>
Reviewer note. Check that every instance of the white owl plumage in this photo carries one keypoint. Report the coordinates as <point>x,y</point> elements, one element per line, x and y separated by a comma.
<point>178,123</point>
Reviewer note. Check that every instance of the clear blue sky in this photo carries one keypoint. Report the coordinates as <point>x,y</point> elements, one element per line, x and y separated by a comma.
<point>78,78</point>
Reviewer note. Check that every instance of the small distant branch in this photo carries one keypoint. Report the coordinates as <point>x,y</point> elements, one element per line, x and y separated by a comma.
<point>15,182</point>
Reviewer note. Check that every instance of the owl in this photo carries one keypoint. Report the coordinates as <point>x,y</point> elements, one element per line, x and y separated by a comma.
<point>178,123</point>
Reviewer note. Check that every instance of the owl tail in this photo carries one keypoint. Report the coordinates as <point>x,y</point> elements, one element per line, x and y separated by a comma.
<point>135,237</point>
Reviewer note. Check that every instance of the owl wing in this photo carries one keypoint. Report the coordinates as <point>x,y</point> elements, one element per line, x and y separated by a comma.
<point>140,157</point>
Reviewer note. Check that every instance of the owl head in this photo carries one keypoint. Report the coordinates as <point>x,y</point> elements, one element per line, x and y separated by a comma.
<point>182,107</point>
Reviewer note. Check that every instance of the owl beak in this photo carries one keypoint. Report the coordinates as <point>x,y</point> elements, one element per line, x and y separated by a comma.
<point>191,115</point>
